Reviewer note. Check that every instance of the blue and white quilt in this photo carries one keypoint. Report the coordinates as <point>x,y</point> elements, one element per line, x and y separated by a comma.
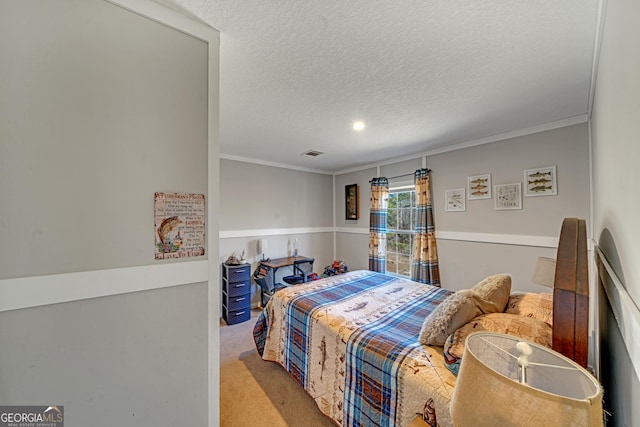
<point>351,341</point>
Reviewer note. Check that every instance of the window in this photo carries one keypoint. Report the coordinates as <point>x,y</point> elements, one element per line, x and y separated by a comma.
<point>400,230</point>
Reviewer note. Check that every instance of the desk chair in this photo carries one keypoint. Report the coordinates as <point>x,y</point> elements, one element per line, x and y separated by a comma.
<point>264,279</point>
<point>301,271</point>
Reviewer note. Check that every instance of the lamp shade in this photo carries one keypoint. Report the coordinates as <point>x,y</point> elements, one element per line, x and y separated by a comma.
<point>489,390</point>
<point>263,246</point>
<point>545,272</point>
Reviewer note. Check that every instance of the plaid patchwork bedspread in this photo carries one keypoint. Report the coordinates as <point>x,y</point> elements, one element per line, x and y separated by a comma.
<point>351,341</point>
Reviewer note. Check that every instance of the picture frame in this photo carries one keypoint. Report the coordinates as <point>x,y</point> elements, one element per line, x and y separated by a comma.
<point>352,208</point>
<point>479,187</point>
<point>508,196</point>
<point>179,225</point>
<point>455,200</point>
<point>540,182</point>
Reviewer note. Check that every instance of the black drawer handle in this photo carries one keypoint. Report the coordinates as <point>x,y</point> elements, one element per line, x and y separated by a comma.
<point>239,313</point>
<point>241,299</point>
<point>239,286</point>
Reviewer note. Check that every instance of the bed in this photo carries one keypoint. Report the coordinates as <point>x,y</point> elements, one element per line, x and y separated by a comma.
<point>353,341</point>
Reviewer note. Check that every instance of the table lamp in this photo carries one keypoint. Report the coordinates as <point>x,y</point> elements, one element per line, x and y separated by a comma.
<point>507,381</point>
<point>545,272</point>
<point>262,248</point>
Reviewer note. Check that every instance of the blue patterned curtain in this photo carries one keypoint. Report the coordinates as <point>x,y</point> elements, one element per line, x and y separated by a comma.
<point>424,268</point>
<point>378,225</point>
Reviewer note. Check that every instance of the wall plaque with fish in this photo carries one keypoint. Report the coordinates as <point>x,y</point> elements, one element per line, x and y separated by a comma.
<point>479,187</point>
<point>540,182</point>
<point>179,225</point>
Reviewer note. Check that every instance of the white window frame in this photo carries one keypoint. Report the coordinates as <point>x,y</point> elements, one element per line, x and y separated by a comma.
<point>401,187</point>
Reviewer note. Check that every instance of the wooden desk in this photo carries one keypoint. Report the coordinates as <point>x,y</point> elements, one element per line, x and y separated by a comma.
<point>276,263</point>
<point>273,265</point>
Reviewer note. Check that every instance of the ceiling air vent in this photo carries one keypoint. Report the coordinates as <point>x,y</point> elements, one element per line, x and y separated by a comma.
<point>312,153</point>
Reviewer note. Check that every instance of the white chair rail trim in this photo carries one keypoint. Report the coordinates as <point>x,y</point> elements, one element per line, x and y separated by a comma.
<point>235,234</point>
<point>36,291</point>
<point>503,239</point>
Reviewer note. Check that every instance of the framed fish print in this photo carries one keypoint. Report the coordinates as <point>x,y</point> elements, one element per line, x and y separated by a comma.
<point>179,225</point>
<point>479,187</point>
<point>455,200</point>
<point>540,182</point>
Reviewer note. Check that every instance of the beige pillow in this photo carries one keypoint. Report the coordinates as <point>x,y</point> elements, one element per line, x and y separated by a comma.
<point>511,324</point>
<point>537,306</point>
<point>456,310</point>
<point>488,296</point>
<point>495,290</point>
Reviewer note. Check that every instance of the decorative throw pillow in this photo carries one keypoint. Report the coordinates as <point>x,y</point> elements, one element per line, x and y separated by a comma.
<point>511,324</point>
<point>537,306</point>
<point>456,310</point>
<point>488,296</point>
<point>494,289</point>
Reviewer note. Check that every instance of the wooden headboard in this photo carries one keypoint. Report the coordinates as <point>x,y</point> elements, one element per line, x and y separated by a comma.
<point>571,293</point>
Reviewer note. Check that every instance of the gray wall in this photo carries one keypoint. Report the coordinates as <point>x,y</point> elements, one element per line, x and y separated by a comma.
<point>278,204</point>
<point>138,359</point>
<point>465,263</point>
<point>96,117</point>
<point>401,168</point>
<point>100,108</point>
<point>615,134</point>
<point>566,148</point>
<point>254,196</point>
<point>466,260</point>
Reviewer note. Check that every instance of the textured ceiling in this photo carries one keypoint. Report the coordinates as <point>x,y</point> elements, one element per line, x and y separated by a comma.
<point>422,74</point>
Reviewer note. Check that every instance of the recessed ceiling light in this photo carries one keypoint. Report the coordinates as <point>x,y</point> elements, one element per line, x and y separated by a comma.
<point>358,126</point>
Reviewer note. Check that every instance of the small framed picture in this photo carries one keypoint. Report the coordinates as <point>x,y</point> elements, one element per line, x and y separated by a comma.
<point>508,196</point>
<point>352,210</point>
<point>479,187</point>
<point>455,200</point>
<point>540,182</point>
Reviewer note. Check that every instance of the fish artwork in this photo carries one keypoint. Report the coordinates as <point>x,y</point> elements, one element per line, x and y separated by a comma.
<point>479,187</point>
<point>479,181</point>
<point>429,413</point>
<point>167,225</point>
<point>540,181</point>
<point>539,174</point>
<point>539,188</point>
<point>357,307</point>
<point>323,351</point>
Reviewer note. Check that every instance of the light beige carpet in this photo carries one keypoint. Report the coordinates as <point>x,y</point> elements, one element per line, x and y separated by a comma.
<point>258,393</point>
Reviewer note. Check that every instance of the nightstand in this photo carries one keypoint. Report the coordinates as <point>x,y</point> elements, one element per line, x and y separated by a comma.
<point>236,293</point>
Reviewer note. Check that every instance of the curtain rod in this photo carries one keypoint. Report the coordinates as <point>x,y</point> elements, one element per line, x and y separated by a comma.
<point>402,176</point>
